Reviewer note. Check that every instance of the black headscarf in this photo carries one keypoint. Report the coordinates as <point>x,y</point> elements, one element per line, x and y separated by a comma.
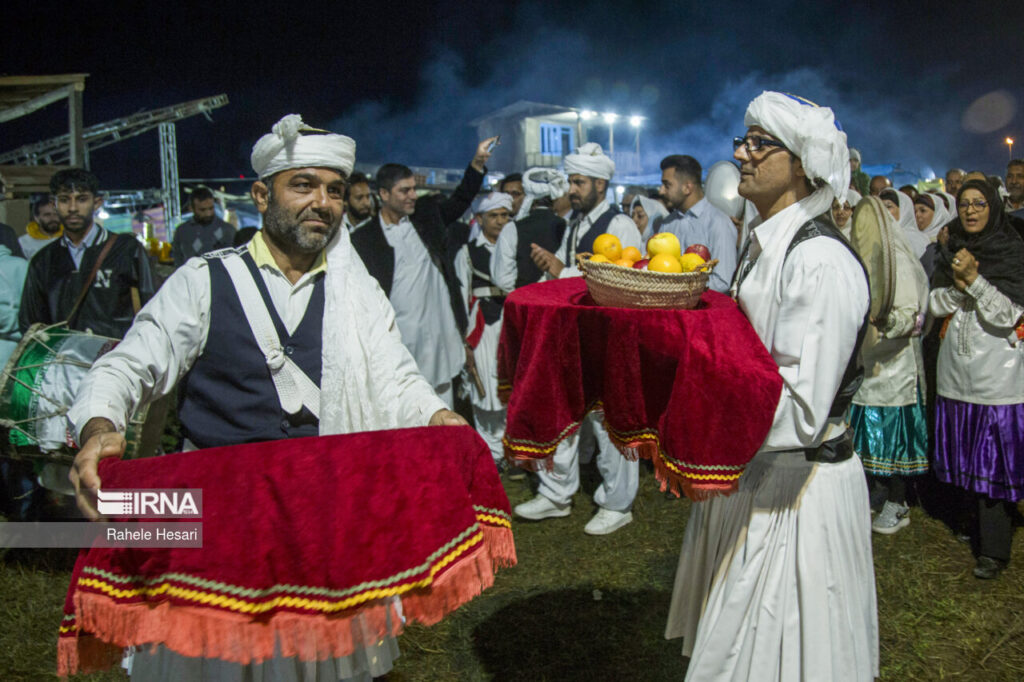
<point>998,248</point>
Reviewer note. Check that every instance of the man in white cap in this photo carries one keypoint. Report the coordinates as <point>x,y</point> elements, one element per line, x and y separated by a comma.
<point>776,581</point>
<point>484,300</point>
<point>589,174</point>
<point>547,208</point>
<point>263,342</point>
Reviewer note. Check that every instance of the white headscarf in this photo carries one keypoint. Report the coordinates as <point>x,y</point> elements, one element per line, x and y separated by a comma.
<point>590,160</point>
<point>908,226</point>
<point>940,217</point>
<point>810,132</point>
<point>286,147</point>
<point>653,208</point>
<point>495,200</point>
<point>545,182</point>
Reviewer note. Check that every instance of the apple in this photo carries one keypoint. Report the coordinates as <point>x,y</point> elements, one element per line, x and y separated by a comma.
<point>641,264</point>
<point>664,243</point>
<point>700,250</point>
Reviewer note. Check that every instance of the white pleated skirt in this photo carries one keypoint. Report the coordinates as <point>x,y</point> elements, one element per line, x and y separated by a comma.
<point>776,582</point>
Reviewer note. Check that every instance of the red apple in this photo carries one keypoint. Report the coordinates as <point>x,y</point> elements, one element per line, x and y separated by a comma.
<point>641,264</point>
<point>700,250</point>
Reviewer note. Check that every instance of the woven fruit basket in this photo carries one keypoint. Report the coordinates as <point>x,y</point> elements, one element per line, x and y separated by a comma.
<point>621,287</point>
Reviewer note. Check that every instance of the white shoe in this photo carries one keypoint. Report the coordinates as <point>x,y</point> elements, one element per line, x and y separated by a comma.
<point>540,508</point>
<point>606,521</point>
<point>893,517</point>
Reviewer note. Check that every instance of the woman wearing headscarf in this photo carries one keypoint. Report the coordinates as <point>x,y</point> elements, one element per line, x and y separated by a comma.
<point>902,209</point>
<point>644,211</point>
<point>930,214</point>
<point>888,419</point>
<point>842,212</point>
<point>978,289</point>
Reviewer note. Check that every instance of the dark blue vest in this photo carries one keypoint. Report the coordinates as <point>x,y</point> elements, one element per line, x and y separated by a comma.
<point>228,396</point>
<point>600,226</point>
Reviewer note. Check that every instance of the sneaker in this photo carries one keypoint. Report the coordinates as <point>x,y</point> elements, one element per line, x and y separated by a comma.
<point>606,521</point>
<point>988,568</point>
<point>540,508</point>
<point>891,519</point>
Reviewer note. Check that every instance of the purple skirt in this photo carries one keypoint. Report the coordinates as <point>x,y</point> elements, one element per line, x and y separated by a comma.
<point>980,447</point>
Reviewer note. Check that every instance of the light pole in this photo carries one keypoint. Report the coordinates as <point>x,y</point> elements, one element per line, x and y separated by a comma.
<point>1009,144</point>
<point>635,121</point>
<point>610,120</point>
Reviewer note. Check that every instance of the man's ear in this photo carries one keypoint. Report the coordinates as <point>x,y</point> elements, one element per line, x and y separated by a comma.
<point>260,194</point>
<point>97,201</point>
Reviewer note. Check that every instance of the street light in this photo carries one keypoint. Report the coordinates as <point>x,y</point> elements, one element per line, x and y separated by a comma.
<point>610,119</point>
<point>587,115</point>
<point>1009,144</point>
<point>635,121</point>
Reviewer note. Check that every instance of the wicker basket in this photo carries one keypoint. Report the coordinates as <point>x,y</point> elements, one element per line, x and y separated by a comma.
<point>620,287</point>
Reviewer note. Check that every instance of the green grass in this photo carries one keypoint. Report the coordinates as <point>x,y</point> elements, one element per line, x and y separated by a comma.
<point>594,608</point>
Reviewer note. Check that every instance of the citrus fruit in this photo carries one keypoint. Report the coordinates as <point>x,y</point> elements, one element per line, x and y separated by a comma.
<point>624,262</point>
<point>691,261</point>
<point>609,246</point>
<point>599,258</point>
<point>664,263</point>
<point>632,253</point>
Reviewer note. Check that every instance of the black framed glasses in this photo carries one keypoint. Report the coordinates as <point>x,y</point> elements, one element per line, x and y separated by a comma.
<point>977,204</point>
<point>755,143</point>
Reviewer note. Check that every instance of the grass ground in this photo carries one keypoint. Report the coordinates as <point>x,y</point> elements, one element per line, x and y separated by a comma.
<point>584,608</point>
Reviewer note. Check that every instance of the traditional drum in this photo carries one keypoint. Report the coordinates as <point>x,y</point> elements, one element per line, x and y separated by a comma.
<point>722,188</point>
<point>871,237</point>
<point>37,388</point>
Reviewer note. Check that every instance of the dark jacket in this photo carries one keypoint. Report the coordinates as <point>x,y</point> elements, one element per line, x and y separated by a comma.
<point>432,217</point>
<point>543,228</point>
<point>53,285</point>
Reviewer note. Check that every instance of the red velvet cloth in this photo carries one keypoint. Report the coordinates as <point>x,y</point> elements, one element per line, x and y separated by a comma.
<point>694,390</point>
<point>299,538</point>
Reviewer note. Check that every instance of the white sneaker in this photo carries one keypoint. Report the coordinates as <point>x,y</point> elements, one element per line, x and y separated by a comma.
<point>540,508</point>
<point>891,519</point>
<point>606,521</point>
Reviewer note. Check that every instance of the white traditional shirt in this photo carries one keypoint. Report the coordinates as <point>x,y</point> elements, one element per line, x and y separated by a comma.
<point>78,250</point>
<point>30,245</point>
<point>486,352</point>
<point>704,224</point>
<point>621,226</point>
<point>807,315</point>
<point>171,330</point>
<point>504,271</point>
<point>422,306</point>
<point>981,361</point>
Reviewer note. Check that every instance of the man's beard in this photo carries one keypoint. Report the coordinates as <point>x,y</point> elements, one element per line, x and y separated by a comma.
<point>288,231</point>
<point>588,202</point>
<point>355,217</point>
<point>52,227</point>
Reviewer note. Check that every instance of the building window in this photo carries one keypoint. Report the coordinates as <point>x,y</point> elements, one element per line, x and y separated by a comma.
<point>556,140</point>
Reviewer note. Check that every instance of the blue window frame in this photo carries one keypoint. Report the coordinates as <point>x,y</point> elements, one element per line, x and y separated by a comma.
<point>556,140</point>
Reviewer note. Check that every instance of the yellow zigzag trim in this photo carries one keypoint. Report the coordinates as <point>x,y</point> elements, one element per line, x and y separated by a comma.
<point>493,520</point>
<point>69,628</point>
<point>232,604</point>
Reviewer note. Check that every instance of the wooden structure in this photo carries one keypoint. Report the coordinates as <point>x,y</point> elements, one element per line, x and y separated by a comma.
<point>21,95</point>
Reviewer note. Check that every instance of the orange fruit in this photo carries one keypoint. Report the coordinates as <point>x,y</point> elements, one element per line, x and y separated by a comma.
<point>599,258</point>
<point>664,263</point>
<point>609,246</point>
<point>624,262</point>
<point>690,262</point>
<point>632,253</point>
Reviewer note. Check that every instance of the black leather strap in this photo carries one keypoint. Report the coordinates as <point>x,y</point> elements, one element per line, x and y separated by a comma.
<point>838,449</point>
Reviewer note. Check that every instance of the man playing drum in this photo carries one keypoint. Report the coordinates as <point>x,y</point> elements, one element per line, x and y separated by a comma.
<point>286,337</point>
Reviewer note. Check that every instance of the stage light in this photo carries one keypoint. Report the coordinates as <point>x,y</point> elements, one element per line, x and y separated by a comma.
<point>635,121</point>
<point>587,115</point>
<point>610,118</point>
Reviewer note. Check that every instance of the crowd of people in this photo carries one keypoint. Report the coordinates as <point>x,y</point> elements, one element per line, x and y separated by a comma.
<point>869,404</point>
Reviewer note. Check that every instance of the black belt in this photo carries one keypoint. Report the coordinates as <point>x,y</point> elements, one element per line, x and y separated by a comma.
<point>839,449</point>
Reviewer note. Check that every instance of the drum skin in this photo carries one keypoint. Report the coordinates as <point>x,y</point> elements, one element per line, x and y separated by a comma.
<point>872,239</point>
<point>722,188</point>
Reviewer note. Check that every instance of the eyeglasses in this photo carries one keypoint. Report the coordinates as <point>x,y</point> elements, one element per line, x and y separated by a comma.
<point>977,204</point>
<point>755,143</point>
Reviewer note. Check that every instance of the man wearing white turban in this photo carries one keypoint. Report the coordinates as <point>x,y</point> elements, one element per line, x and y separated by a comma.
<point>589,172</point>
<point>264,342</point>
<point>484,300</point>
<point>547,206</point>
<point>776,581</point>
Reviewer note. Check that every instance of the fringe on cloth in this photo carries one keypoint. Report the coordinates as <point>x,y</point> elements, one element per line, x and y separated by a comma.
<point>106,627</point>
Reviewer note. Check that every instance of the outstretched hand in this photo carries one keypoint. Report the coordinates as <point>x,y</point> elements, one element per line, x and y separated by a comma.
<point>483,153</point>
<point>102,440</point>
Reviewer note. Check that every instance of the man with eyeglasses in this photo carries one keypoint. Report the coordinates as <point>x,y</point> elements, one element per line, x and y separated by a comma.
<point>694,220</point>
<point>776,581</point>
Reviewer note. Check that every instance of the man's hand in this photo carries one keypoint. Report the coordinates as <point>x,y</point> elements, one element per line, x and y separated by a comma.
<point>546,261</point>
<point>447,418</point>
<point>965,269</point>
<point>101,440</point>
<point>483,153</point>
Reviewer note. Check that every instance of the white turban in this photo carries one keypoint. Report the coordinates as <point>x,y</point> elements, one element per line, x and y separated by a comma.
<point>545,182</point>
<point>494,201</point>
<point>853,197</point>
<point>286,147</point>
<point>809,131</point>
<point>854,154</point>
<point>591,161</point>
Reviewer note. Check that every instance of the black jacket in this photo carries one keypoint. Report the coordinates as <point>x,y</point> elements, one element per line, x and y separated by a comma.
<point>543,228</point>
<point>53,285</point>
<point>431,220</point>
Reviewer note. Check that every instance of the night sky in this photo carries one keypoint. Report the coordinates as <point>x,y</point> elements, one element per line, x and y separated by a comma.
<point>405,80</point>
